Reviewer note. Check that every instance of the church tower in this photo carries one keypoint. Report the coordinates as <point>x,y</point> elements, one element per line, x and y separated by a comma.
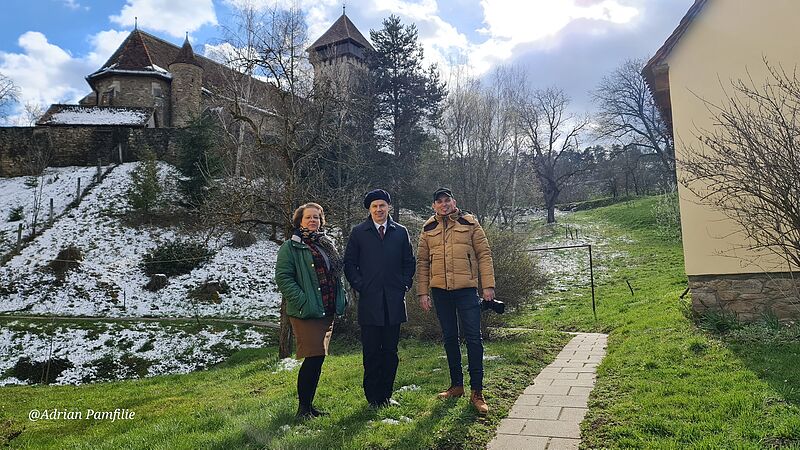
<point>340,51</point>
<point>187,81</point>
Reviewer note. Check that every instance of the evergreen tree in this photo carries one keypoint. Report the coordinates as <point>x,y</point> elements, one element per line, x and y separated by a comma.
<point>408,100</point>
<point>143,195</point>
<point>198,161</point>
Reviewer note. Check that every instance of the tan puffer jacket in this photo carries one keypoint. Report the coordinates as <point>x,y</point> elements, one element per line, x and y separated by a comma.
<point>453,254</point>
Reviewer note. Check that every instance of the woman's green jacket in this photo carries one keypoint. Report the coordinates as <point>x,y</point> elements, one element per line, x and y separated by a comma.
<point>298,283</point>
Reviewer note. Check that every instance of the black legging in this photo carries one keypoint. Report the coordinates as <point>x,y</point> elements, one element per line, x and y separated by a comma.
<point>307,380</point>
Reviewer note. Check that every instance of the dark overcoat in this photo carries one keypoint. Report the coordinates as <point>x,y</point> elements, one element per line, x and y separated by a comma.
<point>380,270</point>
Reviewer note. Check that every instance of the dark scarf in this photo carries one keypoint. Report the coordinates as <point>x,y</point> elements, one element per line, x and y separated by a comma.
<point>320,239</point>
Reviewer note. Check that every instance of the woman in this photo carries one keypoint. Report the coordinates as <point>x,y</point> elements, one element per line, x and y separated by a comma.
<point>308,275</point>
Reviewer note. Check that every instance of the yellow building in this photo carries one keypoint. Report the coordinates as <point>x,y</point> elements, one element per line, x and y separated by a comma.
<point>717,42</point>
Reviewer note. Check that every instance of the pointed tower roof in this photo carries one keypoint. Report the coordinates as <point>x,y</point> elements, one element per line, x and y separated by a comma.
<point>186,54</point>
<point>341,30</point>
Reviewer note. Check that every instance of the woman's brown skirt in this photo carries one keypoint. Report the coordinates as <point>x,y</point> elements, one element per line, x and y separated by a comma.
<point>312,336</point>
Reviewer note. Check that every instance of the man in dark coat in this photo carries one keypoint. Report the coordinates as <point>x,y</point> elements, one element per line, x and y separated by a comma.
<point>379,263</point>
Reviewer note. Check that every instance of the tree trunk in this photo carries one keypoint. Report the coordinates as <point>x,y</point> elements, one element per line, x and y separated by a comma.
<point>285,334</point>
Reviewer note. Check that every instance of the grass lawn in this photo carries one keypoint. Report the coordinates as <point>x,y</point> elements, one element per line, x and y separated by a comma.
<point>247,403</point>
<point>666,383</point>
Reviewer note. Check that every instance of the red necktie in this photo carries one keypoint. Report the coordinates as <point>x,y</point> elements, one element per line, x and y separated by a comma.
<point>380,231</point>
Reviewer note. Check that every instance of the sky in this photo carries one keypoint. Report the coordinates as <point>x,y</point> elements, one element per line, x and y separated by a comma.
<point>47,47</point>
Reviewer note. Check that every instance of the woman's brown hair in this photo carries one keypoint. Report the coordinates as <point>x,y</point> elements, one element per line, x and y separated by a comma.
<point>297,217</point>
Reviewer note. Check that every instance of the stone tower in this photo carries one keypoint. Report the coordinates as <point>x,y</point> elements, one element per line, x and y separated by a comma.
<point>187,81</point>
<point>339,53</point>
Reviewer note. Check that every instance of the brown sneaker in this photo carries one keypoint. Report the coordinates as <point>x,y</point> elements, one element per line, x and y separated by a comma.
<point>479,403</point>
<point>451,392</point>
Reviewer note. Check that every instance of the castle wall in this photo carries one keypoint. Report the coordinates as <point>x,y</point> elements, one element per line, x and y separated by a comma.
<point>138,92</point>
<point>81,145</point>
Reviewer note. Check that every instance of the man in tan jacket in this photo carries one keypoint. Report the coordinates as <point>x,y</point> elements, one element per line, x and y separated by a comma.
<point>453,256</point>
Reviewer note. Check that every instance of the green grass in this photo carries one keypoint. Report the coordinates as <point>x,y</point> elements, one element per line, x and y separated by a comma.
<point>665,383</point>
<point>242,403</point>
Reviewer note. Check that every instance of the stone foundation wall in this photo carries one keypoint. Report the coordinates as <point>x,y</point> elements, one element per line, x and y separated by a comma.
<point>749,296</point>
<point>81,145</point>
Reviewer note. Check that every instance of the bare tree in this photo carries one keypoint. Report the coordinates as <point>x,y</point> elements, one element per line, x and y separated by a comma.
<point>627,114</point>
<point>289,119</point>
<point>553,136</point>
<point>9,94</point>
<point>748,166</point>
<point>482,140</point>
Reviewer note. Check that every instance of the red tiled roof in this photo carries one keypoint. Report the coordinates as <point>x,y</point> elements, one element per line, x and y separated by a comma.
<point>656,72</point>
<point>186,54</point>
<point>143,53</point>
<point>341,30</point>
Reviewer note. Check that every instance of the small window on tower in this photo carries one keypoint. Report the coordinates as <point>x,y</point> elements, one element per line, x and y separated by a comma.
<point>157,90</point>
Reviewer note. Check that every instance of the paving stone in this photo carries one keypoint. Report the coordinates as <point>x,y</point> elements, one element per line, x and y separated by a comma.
<point>563,444</point>
<point>579,390</point>
<point>576,382</point>
<point>528,399</point>
<point>578,369</point>
<point>522,412</point>
<point>510,425</point>
<point>560,376</point>
<point>547,389</point>
<point>575,401</point>
<point>552,428</point>
<point>573,414</point>
<point>513,442</point>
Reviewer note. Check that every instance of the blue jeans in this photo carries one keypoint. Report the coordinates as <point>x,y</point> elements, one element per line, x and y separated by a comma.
<point>464,306</point>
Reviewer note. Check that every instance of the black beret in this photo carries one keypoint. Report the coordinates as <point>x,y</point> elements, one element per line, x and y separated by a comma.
<point>377,194</point>
<point>440,192</point>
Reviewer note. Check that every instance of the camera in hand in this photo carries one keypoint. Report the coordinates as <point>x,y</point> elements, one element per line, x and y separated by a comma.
<point>495,305</point>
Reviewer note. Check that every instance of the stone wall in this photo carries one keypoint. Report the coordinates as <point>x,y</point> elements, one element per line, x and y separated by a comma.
<point>138,91</point>
<point>81,145</point>
<point>749,296</point>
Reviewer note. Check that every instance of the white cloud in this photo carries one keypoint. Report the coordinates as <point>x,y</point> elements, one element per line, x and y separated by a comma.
<point>46,73</point>
<point>174,17</point>
<point>104,44</point>
<point>511,24</point>
<point>74,5</point>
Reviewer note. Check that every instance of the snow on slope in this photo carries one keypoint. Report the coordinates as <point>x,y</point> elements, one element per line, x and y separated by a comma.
<point>60,184</point>
<point>109,281</point>
<point>161,348</point>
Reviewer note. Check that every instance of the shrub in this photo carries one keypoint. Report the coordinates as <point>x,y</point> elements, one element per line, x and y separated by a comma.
<point>515,273</point>
<point>719,321</point>
<point>68,258</point>
<point>38,371</point>
<point>198,161</point>
<point>667,215</point>
<point>17,213</point>
<point>242,239</point>
<point>209,291</point>
<point>145,190</point>
<point>175,258</point>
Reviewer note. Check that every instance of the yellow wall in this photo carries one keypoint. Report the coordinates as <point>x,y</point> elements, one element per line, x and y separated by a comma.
<point>725,39</point>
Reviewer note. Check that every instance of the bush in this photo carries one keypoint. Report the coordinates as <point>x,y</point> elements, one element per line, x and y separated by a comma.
<point>667,215</point>
<point>515,273</point>
<point>209,291</point>
<point>17,213</point>
<point>68,258</point>
<point>719,321</point>
<point>38,371</point>
<point>145,190</point>
<point>175,258</point>
<point>198,160</point>
<point>242,239</point>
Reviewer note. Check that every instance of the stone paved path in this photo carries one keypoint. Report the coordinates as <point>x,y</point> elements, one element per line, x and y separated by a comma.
<point>548,414</point>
